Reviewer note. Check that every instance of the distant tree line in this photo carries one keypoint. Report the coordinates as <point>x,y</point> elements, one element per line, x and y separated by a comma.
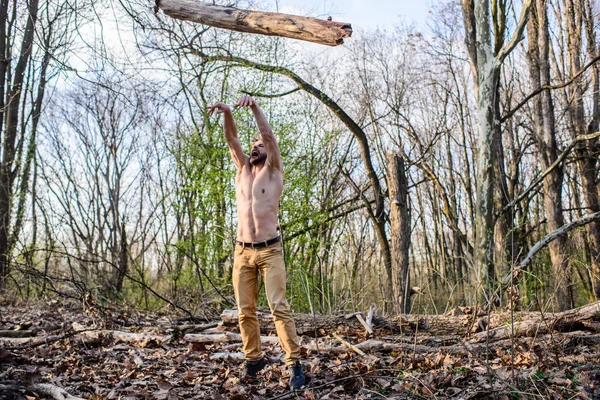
<point>422,166</point>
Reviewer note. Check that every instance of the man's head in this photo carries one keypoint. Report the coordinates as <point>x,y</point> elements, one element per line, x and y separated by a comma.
<point>258,154</point>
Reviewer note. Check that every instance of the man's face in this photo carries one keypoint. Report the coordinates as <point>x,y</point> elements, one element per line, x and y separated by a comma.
<point>258,154</point>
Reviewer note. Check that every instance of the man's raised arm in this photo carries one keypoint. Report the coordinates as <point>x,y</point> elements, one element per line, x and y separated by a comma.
<point>268,139</point>
<point>231,136</point>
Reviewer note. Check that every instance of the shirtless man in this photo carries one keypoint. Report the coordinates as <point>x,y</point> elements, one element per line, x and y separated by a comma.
<point>258,187</point>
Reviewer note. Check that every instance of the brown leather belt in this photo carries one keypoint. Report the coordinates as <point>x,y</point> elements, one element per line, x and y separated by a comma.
<point>257,245</point>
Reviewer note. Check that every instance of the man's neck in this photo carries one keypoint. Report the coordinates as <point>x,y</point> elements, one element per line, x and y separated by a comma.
<point>257,167</point>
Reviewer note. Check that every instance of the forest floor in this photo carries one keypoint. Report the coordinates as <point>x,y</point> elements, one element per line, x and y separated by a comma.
<point>117,353</point>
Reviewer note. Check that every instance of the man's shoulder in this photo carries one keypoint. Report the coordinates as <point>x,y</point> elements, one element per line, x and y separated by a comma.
<point>245,166</point>
<point>273,171</point>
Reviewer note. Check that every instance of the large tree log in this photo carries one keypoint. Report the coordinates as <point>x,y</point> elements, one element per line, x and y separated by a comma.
<point>226,337</point>
<point>565,321</point>
<point>18,334</point>
<point>53,391</point>
<point>431,346</point>
<point>465,349</point>
<point>427,345</point>
<point>264,23</point>
<point>14,343</point>
<point>306,324</point>
<point>90,337</point>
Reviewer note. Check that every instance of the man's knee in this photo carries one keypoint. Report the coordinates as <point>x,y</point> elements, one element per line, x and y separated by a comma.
<point>247,313</point>
<point>281,311</point>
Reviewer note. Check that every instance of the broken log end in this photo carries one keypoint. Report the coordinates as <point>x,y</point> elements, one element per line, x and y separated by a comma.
<point>344,31</point>
<point>347,28</point>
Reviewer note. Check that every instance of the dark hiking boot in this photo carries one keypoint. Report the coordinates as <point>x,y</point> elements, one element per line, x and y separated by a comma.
<point>252,367</point>
<point>296,376</point>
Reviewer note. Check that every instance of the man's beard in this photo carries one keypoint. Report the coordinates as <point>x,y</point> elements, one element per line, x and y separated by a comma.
<point>258,159</point>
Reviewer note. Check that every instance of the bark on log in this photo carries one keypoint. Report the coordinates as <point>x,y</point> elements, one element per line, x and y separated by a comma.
<point>230,316</point>
<point>564,321</point>
<point>434,324</point>
<point>53,391</point>
<point>89,338</point>
<point>193,327</point>
<point>306,324</point>
<point>232,356</point>
<point>564,340</point>
<point>264,23</point>
<point>138,339</point>
<point>135,339</point>
<point>227,337</point>
<point>431,345</point>
<point>18,334</point>
<point>13,343</point>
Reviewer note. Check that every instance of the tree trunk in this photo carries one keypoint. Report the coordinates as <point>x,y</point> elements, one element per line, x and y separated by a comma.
<point>123,262</point>
<point>264,23</point>
<point>504,229</point>
<point>590,187</point>
<point>539,67</point>
<point>4,57</point>
<point>486,62</point>
<point>9,138</point>
<point>587,152</point>
<point>487,82</point>
<point>400,231</point>
<point>32,146</point>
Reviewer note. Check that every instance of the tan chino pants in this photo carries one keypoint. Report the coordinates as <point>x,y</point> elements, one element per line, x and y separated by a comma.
<point>268,261</point>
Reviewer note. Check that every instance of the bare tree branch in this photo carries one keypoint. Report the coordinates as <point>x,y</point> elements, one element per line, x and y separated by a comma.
<point>517,35</point>
<point>555,164</point>
<point>549,238</point>
<point>271,96</point>
<point>548,87</point>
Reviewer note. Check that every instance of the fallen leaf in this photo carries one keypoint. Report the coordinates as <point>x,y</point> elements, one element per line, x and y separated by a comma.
<point>163,385</point>
<point>558,381</point>
<point>198,347</point>
<point>162,394</point>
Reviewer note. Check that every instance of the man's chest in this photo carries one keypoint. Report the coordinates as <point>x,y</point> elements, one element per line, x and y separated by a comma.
<point>263,185</point>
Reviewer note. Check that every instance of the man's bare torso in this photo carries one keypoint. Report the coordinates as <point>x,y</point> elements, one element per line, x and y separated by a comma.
<point>259,179</point>
<point>258,190</point>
